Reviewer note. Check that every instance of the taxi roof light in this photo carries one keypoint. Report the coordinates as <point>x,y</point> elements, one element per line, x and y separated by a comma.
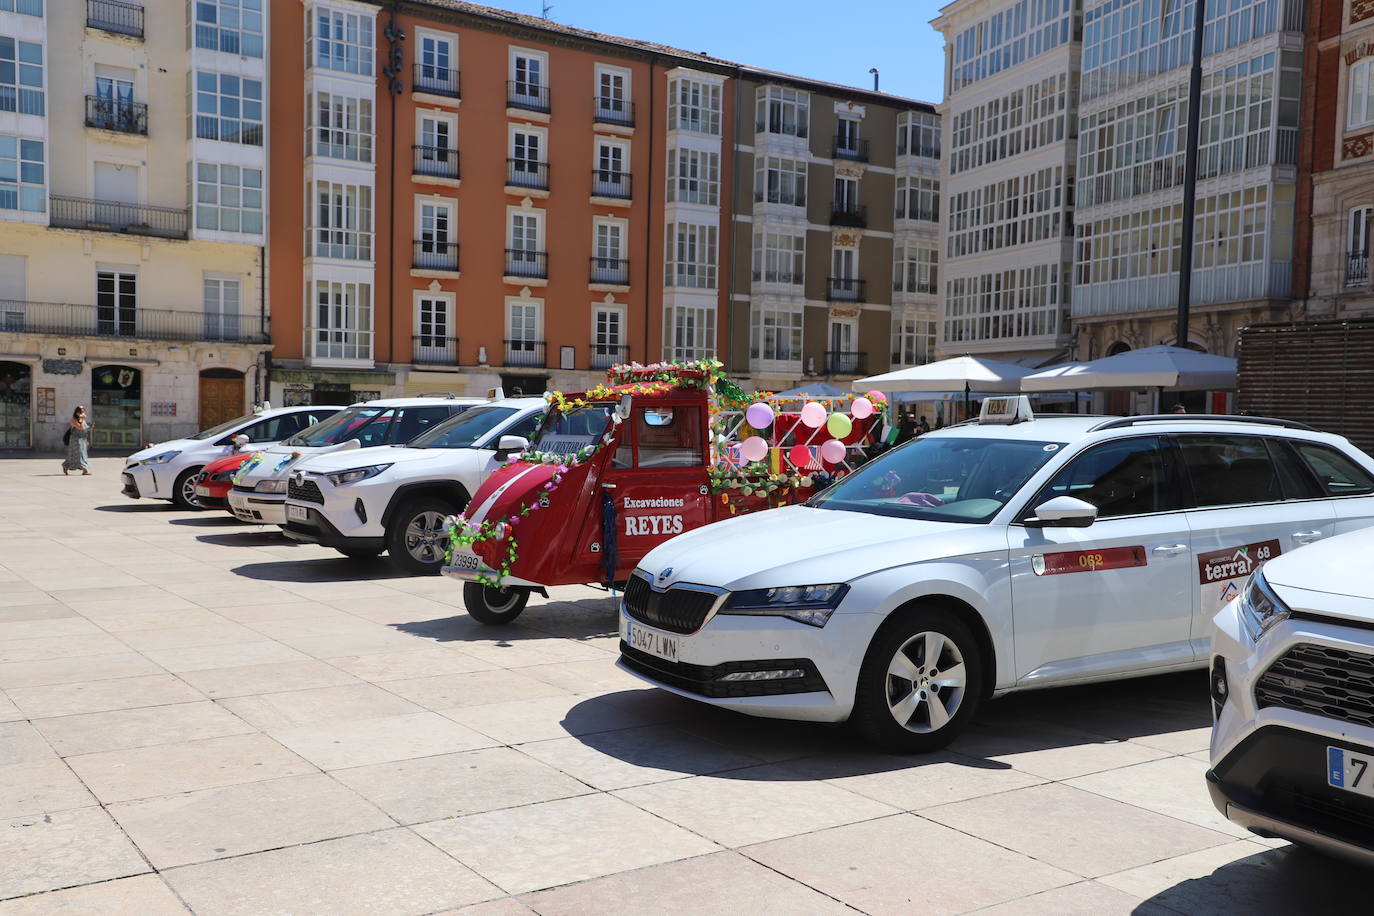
<point>1005,411</point>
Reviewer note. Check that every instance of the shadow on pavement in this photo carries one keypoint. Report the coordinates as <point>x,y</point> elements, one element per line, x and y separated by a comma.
<point>585,618</point>
<point>222,520</point>
<point>272,538</point>
<point>1280,881</point>
<point>158,506</point>
<point>329,569</point>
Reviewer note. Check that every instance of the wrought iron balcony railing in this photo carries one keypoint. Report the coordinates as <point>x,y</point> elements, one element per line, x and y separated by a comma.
<point>852,148</point>
<point>527,96</point>
<point>604,356</point>
<point>116,216</point>
<point>614,111</point>
<point>528,353</point>
<point>846,362</point>
<point>612,184</point>
<point>610,270</point>
<point>846,289</point>
<point>526,262</point>
<point>1357,269</point>
<point>854,216</point>
<point>115,16</point>
<point>436,80</point>
<point>526,173</point>
<point>436,162</point>
<point>434,350</point>
<point>434,254</point>
<point>121,115</point>
<point>72,320</point>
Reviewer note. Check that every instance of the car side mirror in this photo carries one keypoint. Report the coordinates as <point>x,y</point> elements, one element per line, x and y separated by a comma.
<point>509,445</point>
<point>1063,512</point>
<point>622,410</point>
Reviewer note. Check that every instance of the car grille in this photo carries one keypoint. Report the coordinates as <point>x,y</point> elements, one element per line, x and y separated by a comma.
<point>306,491</point>
<point>705,680</point>
<point>1335,683</point>
<point>678,610</point>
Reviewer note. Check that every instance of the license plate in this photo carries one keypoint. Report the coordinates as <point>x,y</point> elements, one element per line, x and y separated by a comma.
<point>657,644</point>
<point>202,491</point>
<point>298,513</point>
<point>466,561</point>
<point>1351,772</point>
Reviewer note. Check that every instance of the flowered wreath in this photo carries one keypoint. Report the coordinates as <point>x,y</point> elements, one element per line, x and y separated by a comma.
<point>253,461</point>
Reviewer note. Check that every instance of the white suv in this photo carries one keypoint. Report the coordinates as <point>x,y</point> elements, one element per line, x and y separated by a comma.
<point>982,559</point>
<point>168,470</point>
<point>259,495</point>
<point>1292,687</point>
<point>398,498</point>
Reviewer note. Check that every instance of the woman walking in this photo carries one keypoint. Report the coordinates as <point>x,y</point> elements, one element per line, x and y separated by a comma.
<point>77,439</point>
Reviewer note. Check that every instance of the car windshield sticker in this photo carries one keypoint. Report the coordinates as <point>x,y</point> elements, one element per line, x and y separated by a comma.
<point>1221,573</point>
<point>1091,560</point>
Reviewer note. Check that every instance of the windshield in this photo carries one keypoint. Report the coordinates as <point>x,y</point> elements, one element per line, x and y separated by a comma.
<point>464,430</point>
<point>940,479</point>
<point>214,431</point>
<point>352,423</point>
<point>567,433</point>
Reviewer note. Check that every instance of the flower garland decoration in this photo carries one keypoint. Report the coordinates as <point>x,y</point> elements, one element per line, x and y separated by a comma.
<point>284,462</point>
<point>253,461</point>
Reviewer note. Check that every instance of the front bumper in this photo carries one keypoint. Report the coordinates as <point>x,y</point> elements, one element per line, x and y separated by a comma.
<point>130,485</point>
<point>466,566</point>
<point>252,506</point>
<point>317,529</point>
<point>148,482</point>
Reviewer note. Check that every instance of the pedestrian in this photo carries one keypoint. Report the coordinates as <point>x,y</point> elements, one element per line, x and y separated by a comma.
<point>922,426</point>
<point>1179,408</point>
<point>77,439</point>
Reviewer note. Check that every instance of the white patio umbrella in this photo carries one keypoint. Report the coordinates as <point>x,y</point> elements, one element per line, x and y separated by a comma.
<point>1153,367</point>
<point>971,373</point>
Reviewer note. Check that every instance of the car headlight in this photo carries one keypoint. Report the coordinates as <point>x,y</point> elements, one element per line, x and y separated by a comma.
<point>809,604</point>
<point>353,475</point>
<point>1260,608</point>
<point>162,458</point>
<point>271,486</point>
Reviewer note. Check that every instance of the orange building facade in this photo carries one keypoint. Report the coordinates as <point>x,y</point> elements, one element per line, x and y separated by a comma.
<point>464,198</point>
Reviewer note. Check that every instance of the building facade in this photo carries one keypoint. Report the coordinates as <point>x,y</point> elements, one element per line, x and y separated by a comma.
<point>1132,142</point>
<point>1007,175</point>
<point>1338,129</point>
<point>133,210</point>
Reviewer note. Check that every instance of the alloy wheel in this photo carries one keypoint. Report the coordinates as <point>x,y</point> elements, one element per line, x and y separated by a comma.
<point>926,680</point>
<point>424,536</point>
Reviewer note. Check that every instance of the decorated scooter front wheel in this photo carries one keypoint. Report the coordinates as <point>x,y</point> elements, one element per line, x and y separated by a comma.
<point>493,606</point>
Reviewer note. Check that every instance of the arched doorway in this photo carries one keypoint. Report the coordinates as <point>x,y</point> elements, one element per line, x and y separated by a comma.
<point>1118,402</point>
<point>116,406</point>
<point>221,396</point>
<point>16,405</point>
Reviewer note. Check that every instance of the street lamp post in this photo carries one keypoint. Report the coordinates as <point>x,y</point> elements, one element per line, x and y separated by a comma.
<point>1185,268</point>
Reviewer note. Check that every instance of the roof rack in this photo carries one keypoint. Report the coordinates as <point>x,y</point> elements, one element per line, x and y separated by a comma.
<point>437,394</point>
<point>1119,422</point>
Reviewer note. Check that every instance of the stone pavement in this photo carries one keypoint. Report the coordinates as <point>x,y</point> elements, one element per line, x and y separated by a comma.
<point>197,714</point>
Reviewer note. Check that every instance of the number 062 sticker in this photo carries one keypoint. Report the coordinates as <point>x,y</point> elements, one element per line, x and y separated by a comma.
<point>1076,561</point>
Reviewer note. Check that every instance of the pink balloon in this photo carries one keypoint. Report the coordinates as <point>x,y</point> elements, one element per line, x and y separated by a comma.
<point>799,455</point>
<point>877,397</point>
<point>832,451</point>
<point>754,448</point>
<point>861,408</point>
<point>813,415</point>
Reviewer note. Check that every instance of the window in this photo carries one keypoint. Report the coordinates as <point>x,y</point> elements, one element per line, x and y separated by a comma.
<point>847,135</point>
<point>780,181</point>
<point>693,176</point>
<point>609,264</point>
<point>343,320</point>
<point>1338,474</point>
<point>668,437</point>
<point>528,169</point>
<point>435,247</point>
<point>780,110</point>
<point>525,256</point>
<point>27,7</point>
<point>779,258</point>
<point>343,127</point>
<point>918,135</point>
<point>275,429</point>
<point>691,332</point>
<point>694,105</point>
<point>436,64</point>
<point>913,339</point>
<point>1360,107</point>
<point>608,337</point>
<point>612,94</point>
<point>844,263</point>
<point>231,26</point>
<point>343,221</point>
<point>776,334</point>
<point>229,198</point>
<point>436,135</point>
<point>221,307</point>
<point>846,195</point>
<point>913,269</point>
<point>525,231</point>
<point>343,41</point>
<point>691,256</point>
<point>228,108</point>
<point>918,198</point>
<point>524,342</point>
<point>1125,477</point>
<point>21,76</point>
<point>22,172</point>
<point>1229,470</point>
<point>529,80</point>
<point>432,322</point>
<point>1357,235</point>
<point>844,352</point>
<point>415,421</point>
<point>610,179</point>
<point>116,301</point>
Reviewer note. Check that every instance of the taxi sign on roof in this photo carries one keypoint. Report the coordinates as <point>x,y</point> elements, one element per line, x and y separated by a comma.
<point>1006,410</point>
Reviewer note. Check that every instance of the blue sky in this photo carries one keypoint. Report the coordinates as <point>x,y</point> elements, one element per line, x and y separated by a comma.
<point>821,40</point>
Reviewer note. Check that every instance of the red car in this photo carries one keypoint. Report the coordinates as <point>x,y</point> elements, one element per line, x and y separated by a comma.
<point>216,479</point>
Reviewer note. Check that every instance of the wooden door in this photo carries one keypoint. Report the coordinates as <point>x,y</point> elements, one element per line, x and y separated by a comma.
<point>221,399</point>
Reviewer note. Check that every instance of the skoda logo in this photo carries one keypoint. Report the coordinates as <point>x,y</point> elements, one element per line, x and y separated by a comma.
<point>663,576</point>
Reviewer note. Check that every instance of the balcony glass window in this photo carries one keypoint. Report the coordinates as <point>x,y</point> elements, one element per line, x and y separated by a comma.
<point>693,177</point>
<point>228,198</point>
<point>342,41</point>
<point>918,134</point>
<point>21,76</point>
<point>231,26</point>
<point>691,256</point>
<point>914,269</point>
<point>22,173</point>
<point>27,7</point>
<point>694,105</point>
<point>780,110</point>
<point>913,339</point>
<point>228,108</point>
<point>343,127</point>
<point>779,258</point>
<point>1360,105</point>
<point>918,198</point>
<point>343,320</point>
<point>342,221</point>
<point>780,181</point>
<point>691,332</point>
<point>776,334</point>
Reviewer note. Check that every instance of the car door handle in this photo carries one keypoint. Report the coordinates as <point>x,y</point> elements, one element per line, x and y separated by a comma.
<point>1169,550</point>
<point>1307,537</point>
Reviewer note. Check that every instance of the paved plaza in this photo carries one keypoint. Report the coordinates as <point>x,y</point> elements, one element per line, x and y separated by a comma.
<point>197,714</point>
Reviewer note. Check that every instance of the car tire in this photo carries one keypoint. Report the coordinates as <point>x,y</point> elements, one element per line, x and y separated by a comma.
<point>184,490</point>
<point>493,606</point>
<point>360,553</point>
<point>416,540</point>
<point>920,682</point>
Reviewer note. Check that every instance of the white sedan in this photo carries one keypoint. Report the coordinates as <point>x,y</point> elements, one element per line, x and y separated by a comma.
<point>168,470</point>
<point>982,559</point>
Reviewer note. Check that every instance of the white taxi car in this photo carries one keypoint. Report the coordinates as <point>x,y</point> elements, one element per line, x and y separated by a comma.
<point>1292,684</point>
<point>985,558</point>
<point>398,498</point>
<point>259,495</point>
<point>168,470</point>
